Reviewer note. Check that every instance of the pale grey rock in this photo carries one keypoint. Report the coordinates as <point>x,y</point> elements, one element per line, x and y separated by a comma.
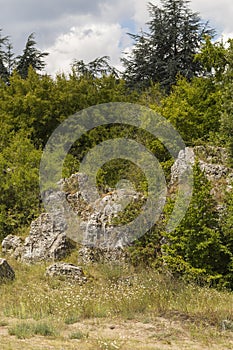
<point>12,245</point>
<point>47,240</point>
<point>213,163</point>
<point>182,165</point>
<point>6,271</point>
<point>97,220</point>
<point>213,171</point>
<point>66,271</point>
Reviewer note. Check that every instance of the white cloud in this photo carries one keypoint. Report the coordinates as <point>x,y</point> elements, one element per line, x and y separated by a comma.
<point>98,27</point>
<point>86,42</point>
<point>104,33</point>
<point>141,14</point>
<point>226,36</point>
<point>219,13</point>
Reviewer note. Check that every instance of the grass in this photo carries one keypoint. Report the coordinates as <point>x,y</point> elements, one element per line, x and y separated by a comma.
<point>71,319</point>
<point>27,329</point>
<point>39,305</point>
<point>78,335</point>
<point>110,293</point>
<point>21,330</point>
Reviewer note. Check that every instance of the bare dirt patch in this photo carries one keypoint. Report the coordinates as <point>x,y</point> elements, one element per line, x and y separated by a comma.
<point>110,334</point>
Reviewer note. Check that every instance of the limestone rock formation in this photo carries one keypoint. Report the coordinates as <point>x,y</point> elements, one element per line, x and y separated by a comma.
<point>78,213</point>
<point>97,220</point>
<point>51,238</point>
<point>212,161</point>
<point>67,271</point>
<point>46,241</point>
<point>6,271</point>
<point>184,162</point>
<point>12,245</point>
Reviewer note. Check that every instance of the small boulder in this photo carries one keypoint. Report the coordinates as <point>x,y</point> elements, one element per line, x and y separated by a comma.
<point>12,245</point>
<point>47,240</point>
<point>182,165</point>
<point>6,271</point>
<point>66,271</point>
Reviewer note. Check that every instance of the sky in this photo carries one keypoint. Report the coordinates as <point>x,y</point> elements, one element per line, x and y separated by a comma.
<point>87,29</point>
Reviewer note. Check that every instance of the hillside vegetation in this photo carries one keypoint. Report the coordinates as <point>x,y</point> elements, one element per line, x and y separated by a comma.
<point>178,295</point>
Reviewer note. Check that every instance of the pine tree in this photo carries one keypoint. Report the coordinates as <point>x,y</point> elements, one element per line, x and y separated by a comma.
<point>31,57</point>
<point>227,102</point>
<point>98,68</point>
<point>4,74</point>
<point>199,241</point>
<point>168,49</point>
<point>9,58</point>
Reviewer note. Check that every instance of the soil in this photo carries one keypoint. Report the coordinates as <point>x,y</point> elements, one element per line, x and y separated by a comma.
<point>111,334</point>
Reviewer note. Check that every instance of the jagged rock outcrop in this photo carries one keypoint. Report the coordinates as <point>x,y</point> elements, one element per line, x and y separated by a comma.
<point>6,271</point>
<point>212,161</point>
<point>97,220</point>
<point>76,212</point>
<point>46,241</point>
<point>67,271</point>
<point>51,238</point>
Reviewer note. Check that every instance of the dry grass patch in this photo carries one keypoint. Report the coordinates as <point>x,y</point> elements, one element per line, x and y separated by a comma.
<point>118,294</point>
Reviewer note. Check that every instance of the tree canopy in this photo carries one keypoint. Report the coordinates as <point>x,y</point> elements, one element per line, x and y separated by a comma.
<point>31,56</point>
<point>176,70</point>
<point>175,34</point>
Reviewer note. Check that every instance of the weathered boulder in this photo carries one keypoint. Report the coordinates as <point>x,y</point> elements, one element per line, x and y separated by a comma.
<point>47,240</point>
<point>12,245</point>
<point>97,220</point>
<point>66,271</point>
<point>184,162</point>
<point>6,271</point>
<point>219,174</point>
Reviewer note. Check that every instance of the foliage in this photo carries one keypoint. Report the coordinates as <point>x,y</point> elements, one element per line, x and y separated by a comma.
<point>227,102</point>
<point>198,242</point>
<point>213,58</point>
<point>199,107</point>
<point>146,250</point>
<point>19,202</point>
<point>194,109</point>
<point>5,56</point>
<point>98,68</point>
<point>25,329</point>
<point>175,36</point>
<point>31,57</point>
